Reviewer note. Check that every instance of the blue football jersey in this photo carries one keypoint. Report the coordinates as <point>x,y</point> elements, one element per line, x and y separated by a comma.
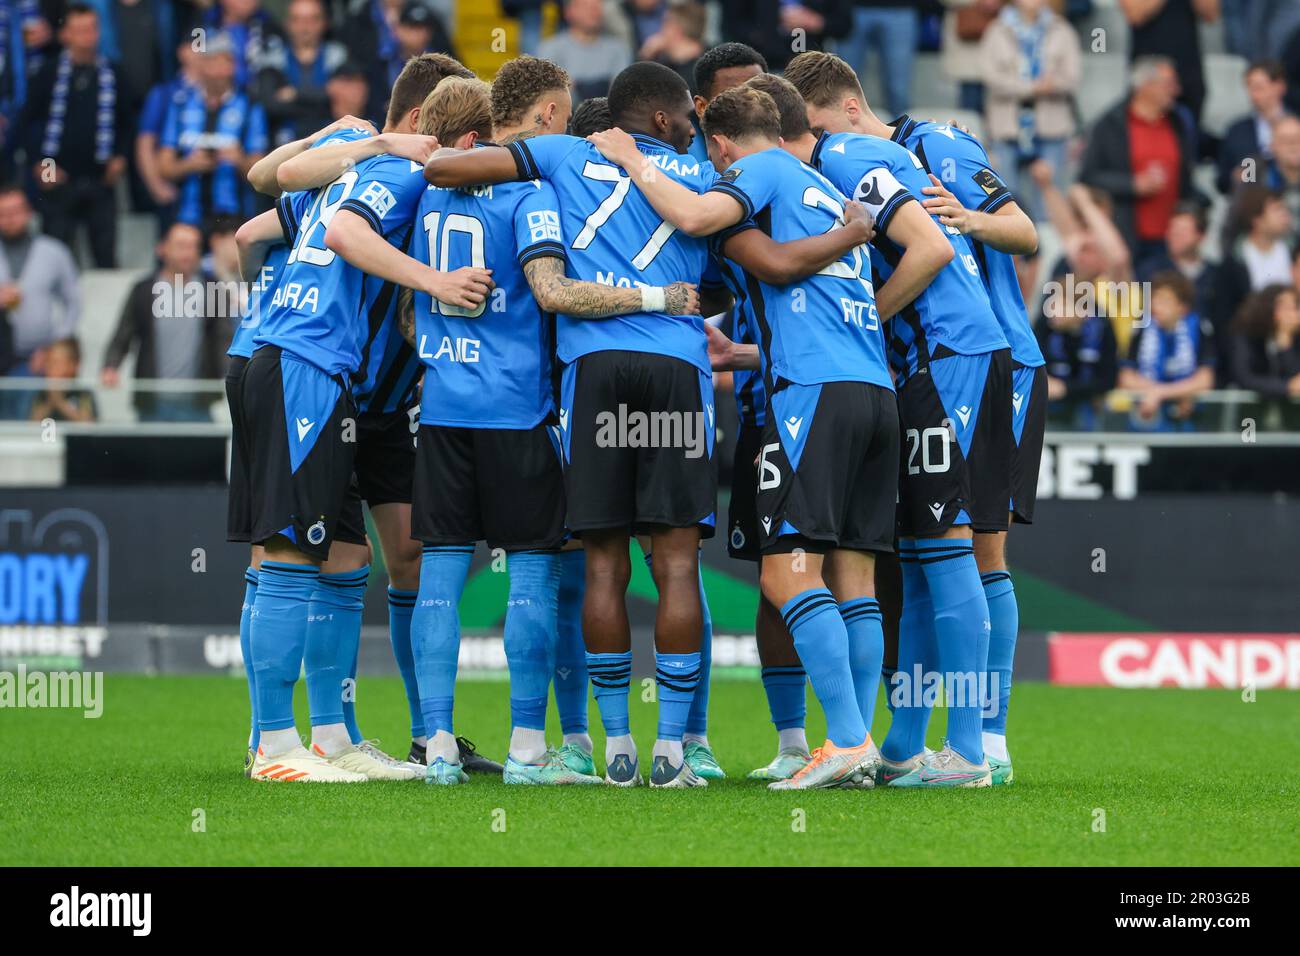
<point>488,367</point>
<point>289,208</point>
<point>959,161</point>
<point>614,236</point>
<point>324,310</point>
<point>823,328</point>
<point>954,309</point>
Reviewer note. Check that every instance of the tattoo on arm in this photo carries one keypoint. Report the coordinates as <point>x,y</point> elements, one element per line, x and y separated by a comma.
<point>556,292</point>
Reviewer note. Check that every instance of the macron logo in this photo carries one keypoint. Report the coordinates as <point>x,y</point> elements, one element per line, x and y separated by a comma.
<point>837,148</point>
<point>1016,401</point>
<point>564,419</point>
<point>964,414</point>
<point>767,525</point>
<point>304,426</point>
<point>792,425</point>
<point>936,509</point>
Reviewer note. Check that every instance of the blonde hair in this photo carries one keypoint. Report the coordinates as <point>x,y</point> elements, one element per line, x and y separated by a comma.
<point>457,106</point>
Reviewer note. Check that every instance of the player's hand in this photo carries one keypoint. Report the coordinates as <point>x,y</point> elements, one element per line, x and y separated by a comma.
<point>410,146</point>
<point>682,298</point>
<point>1056,388</point>
<point>859,216</point>
<point>466,287</point>
<point>944,204</point>
<point>343,122</point>
<point>722,351</point>
<point>617,146</point>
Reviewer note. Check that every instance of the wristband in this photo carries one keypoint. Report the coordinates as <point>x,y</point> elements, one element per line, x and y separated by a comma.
<point>653,299</point>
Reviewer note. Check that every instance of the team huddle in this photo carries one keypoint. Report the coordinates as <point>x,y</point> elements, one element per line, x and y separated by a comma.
<point>486,322</point>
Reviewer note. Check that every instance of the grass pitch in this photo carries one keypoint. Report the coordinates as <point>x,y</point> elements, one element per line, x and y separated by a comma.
<point>1176,777</point>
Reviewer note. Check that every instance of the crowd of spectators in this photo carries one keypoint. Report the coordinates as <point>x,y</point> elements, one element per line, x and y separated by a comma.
<point>1186,239</point>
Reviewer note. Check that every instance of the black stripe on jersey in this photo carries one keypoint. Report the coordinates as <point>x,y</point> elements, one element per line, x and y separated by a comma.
<point>919,153</point>
<point>541,250</point>
<point>909,315</point>
<point>903,127</point>
<point>287,225</point>
<point>375,321</point>
<point>814,159</point>
<point>891,208</point>
<point>401,365</point>
<point>525,165</point>
<point>728,189</point>
<point>365,212</point>
<point>754,291</point>
<point>996,201</point>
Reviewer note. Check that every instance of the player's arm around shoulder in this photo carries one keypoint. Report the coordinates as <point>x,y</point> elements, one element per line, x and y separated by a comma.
<point>557,292</point>
<point>926,251</point>
<point>783,263</point>
<point>696,214</point>
<point>449,167</point>
<point>1006,228</point>
<point>354,238</point>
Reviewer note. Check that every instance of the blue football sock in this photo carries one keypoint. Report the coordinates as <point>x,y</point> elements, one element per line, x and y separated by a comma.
<point>610,676</point>
<point>961,630</point>
<point>916,661</point>
<point>697,721</point>
<point>246,650</point>
<point>786,700</point>
<point>400,606</point>
<point>277,633</point>
<point>570,651</point>
<point>1004,620</point>
<point>333,635</point>
<point>887,681</point>
<point>866,651</point>
<point>530,635</point>
<point>678,677</point>
<point>435,631</point>
<point>822,642</point>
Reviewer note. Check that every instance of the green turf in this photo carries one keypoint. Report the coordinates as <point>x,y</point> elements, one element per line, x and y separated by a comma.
<point>1184,777</point>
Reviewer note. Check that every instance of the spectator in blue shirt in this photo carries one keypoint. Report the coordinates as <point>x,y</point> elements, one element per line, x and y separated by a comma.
<point>149,129</point>
<point>211,139</point>
<point>1171,359</point>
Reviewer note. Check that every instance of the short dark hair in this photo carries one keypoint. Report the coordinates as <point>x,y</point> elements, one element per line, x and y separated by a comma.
<point>75,9</point>
<point>519,83</point>
<point>645,87</point>
<point>789,104</point>
<point>1177,283</point>
<point>417,80</point>
<point>722,57</point>
<point>742,113</point>
<point>591,116</point>
<point>1268,66</point>
<point>1195,209</point>
<point>221,224</point>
